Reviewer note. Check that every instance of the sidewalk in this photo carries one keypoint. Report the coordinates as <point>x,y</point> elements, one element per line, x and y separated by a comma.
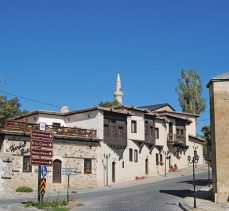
<point>203,202</point>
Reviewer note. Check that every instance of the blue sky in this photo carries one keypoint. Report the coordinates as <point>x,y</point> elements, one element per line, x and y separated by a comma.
<point>69,52</point>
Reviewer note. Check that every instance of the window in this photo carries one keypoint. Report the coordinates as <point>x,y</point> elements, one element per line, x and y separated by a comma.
<point>133,126</point>
<point>157,159</point>
<point>56,125</point>
<point>161,159</point>
<point>87,166</point>
<point>182,132</point>
<point>105,130</point>
<point>120,132</point>
<point>171,127</point>
<point>151,131</point>
<point>157,133</point>
<point>26,164</point>
<point>135,155</point>
<point>123,164</point>
<point>113,130</point>
<point>146,128</point>
<point>131,155</point>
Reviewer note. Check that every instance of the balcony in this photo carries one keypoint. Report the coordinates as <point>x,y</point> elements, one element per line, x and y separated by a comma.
<point>67,131</point>
<point>176,139</point>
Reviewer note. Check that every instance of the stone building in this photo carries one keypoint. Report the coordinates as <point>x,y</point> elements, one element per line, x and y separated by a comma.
<point>219,107</point>
<point>106,145</point>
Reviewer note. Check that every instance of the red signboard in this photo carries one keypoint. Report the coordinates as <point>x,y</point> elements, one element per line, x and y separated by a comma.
<point>41,144</point>
<point>40,161</point>
<point>40,153</point>
<point>41,135</point>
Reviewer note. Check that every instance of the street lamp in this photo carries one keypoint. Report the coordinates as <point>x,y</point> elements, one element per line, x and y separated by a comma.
<point>166,157</point>
<point>106,156</point>
<point>194,160</point>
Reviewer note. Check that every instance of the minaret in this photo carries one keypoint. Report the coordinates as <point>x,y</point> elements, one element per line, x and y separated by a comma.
<point>118,93</point>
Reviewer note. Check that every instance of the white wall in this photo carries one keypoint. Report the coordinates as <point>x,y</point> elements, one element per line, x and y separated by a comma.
<point>87,120</point>
<point>140,135</point>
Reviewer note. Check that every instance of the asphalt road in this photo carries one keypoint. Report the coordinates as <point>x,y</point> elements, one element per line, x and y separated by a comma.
<point>163,195</point>
<point>157,196</point>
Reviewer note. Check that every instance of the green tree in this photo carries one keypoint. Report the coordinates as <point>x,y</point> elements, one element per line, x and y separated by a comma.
<point>207,137</point>
<point>109,103</point>
<point>9,108</point>
<point>189,91</point>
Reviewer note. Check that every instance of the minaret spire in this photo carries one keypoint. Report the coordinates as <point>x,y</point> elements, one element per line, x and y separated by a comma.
<point>118,93</point>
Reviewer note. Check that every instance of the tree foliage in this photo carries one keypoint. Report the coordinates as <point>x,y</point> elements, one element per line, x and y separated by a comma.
<point>189,91</point>
<point>207,137</point>
<point>109,103</point>
<point>9,108</point>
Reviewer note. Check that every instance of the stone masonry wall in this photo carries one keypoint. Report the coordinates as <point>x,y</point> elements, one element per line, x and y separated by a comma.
<point>219,96</point>
<point>71,153</point>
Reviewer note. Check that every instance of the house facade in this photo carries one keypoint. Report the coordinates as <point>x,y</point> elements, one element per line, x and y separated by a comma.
<point>106,145</point>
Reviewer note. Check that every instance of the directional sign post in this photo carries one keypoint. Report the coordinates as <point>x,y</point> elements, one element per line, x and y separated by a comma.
<point>43,171</point>
<point>68,172</point>
<point>41,146</point>
<point>42,189</point>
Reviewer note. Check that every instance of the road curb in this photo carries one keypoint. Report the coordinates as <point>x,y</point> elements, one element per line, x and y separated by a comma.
<point>183,207</point>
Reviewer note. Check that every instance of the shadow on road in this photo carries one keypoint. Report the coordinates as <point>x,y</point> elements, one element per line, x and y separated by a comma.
<point>198,182</point>
<point>179,193</point>
<point>200,194</point>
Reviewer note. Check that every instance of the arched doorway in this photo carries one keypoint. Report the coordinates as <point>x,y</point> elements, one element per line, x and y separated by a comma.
<point>56,178</point>
<point>147,166</point>
<point>113,171</point>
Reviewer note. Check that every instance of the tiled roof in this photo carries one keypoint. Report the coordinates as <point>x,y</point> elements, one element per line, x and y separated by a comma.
<point>222,77</point>
<point>156,106</point>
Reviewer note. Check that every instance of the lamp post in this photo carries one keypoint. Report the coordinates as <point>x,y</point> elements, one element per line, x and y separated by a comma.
<point>166,157</point>
<point>106,156</point>
<point>194,160</point>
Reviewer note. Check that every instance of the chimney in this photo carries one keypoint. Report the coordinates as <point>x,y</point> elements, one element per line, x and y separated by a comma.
<point>64,109</point>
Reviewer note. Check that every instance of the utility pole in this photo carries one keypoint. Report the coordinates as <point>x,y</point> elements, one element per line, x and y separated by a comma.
<point>107,156</point>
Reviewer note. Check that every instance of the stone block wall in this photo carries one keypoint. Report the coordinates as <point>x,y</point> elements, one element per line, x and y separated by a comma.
<point>219,100</point>
<point>71,153</point>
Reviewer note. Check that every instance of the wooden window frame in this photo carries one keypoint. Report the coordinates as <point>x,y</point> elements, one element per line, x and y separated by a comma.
<point>26,166</point>
<point>87,166</point>
<point>157,133</point>
<point>136,155</point>
<point>131,155</point>
<point>157,159</point>
<point>106,132</point>
<point>133,126</point>
<point>120,131</point>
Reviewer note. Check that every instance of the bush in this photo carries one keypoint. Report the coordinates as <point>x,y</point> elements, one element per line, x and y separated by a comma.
<point>175,166</point>
<point>24,189</point>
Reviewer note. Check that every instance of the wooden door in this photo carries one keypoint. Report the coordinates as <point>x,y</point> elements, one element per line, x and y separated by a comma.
<point>146,166</point>
<point>56,171</point>
<point>113,172</point>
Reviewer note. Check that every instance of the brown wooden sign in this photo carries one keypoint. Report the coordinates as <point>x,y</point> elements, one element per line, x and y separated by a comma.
<point>40,161</point>
<point>41,153</point>
<point>41,144</point>
<point>41,135</point>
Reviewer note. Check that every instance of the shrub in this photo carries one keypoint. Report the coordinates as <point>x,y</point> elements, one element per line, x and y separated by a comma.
<point>24,189</point>
<point>175,166</point>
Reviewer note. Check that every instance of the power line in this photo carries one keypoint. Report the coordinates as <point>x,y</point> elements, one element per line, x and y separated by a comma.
<point>29,99</point>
